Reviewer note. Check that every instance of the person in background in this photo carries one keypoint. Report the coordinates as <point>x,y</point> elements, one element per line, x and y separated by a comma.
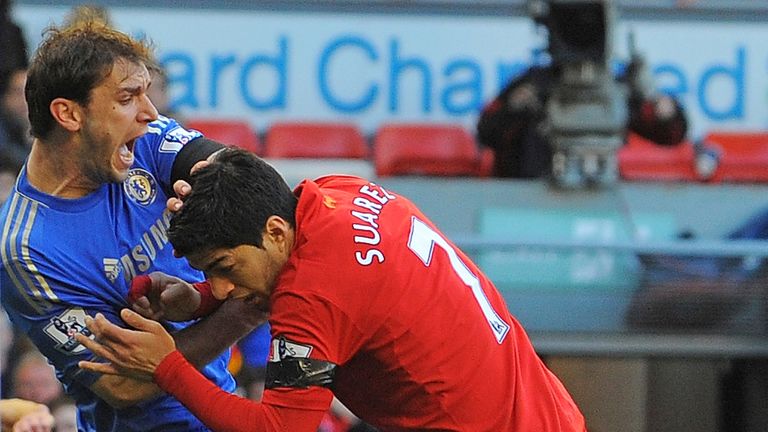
<point>13,46</point>
<point>6,341</point>
<point>35,380</point>
<point>18,415</point>
<point>64,413</point>
<point>514,124</point>
<point>158,94</point>
<point>87,217</point>
<point>368,302</point>
<point>13,346</point>
<point>15,141</point>
<point>14,130</point>
<point>511,124</point>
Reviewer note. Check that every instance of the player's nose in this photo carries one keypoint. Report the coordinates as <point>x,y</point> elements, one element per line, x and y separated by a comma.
<point>221,287</point>
<point>147,113</point>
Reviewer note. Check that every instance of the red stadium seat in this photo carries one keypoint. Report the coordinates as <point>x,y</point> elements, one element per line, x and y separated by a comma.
<point>425,149</point>
<point>487,158</point>
<point>641,159</point>
<point>315,140</point>
<point>743,155</point>
<point>237,133</point>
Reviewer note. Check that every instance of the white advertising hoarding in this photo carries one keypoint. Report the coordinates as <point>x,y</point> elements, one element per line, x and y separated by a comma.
<point>371,68</point>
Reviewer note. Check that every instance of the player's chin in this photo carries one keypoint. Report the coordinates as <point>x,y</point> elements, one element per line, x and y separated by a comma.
<point>119,172</point>
<point>119,176</point>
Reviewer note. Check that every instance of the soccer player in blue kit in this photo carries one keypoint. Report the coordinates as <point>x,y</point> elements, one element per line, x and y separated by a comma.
<point>88,214</point>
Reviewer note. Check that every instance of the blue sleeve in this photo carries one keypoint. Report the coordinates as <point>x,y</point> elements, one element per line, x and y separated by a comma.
<point>157,149</point>
<point>47,290</point>
<point>52,331</point>
<point>52,325</point>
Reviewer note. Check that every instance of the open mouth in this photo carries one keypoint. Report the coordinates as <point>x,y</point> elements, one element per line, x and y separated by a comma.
<point>126,153</point>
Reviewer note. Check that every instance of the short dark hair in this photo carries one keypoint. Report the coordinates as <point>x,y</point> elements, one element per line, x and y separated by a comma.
<point>231,200</point>
<point>71,61</point>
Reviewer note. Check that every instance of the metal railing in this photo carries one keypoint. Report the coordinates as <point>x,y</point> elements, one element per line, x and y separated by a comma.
<point>712,248</point>
<point>682,316</point>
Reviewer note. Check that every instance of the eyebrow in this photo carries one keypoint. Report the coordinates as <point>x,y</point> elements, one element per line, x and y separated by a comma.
<point>134,90</point>
<point>215,264</point>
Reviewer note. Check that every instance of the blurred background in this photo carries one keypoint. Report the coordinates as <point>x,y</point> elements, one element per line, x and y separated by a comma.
<point>638,267</point>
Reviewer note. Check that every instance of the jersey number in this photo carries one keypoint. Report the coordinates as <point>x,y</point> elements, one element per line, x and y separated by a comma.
<point>422,242</point>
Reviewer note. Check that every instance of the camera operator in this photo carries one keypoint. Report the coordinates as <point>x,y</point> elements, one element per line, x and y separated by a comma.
<point>517,124</point>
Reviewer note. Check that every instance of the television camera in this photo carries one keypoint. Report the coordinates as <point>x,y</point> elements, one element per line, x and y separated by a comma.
<point>586,114</point>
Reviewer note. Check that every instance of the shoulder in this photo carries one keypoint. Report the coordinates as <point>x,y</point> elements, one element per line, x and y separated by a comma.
<point>339,181</point>
<point>168,135</point>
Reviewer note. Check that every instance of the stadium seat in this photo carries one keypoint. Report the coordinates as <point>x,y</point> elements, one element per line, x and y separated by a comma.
<point>315,140</point>
<point>425,149</point>
<point>743,155</point>
<point>487,158</point>
<point>641,159</point>
<point>238,133</point>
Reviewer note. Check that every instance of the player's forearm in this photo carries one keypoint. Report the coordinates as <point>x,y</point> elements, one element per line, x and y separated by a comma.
<point>122,392</point>
<point>222,411</point>
<point>231,321</point>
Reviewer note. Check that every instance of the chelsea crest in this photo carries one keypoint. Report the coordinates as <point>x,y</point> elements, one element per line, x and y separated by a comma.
<point>140,186</point>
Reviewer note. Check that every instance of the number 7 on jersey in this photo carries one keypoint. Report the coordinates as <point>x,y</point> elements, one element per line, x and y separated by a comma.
<point>422,241</point>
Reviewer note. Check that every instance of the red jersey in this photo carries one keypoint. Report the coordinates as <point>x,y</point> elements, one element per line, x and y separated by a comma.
<point>421,338</point>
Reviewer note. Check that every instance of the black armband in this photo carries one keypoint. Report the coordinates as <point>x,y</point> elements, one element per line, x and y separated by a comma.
<point>299,372</point>
<point>193,152</point>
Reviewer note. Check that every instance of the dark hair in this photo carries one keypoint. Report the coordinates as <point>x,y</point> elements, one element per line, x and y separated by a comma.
<point>231,200</point>
<point>72,61</point>
<point>5,80</point>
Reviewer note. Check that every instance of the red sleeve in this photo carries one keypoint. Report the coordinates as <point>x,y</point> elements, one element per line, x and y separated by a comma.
<point>208,303</point>
<point>222,411</point>
<point>644,122</point>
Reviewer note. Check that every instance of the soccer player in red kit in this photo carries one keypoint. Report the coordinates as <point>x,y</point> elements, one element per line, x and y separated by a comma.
<point>368,300</point>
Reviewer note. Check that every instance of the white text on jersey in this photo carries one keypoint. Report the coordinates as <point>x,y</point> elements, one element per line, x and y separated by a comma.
<point>367,233</point>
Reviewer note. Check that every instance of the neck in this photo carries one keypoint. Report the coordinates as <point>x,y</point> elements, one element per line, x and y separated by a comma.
<point>52,169</point>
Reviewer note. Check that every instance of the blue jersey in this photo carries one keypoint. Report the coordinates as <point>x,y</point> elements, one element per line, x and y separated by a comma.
<point>63,259</point>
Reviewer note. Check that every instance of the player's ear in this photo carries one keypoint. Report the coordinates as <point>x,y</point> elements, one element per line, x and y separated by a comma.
<point>277,231</point>
<point>67,113</point>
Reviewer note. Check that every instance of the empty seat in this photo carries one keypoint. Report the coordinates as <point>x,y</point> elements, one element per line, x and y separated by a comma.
<point>641,159</point>
<point>315,140</point>
<point>743,155</point>
<point>487,158</point>
<point>425,149</point>
<point>233,132</point>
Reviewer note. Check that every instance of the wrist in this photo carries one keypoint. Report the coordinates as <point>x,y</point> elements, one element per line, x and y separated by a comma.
<point>165,371</point>
<point>208,303</point>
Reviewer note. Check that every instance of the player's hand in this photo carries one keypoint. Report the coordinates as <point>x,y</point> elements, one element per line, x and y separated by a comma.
<point>525,98</point>
<point>182,188</point>
<point>160,296</point>
<point>132,353</point>
<point>39,420</point>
